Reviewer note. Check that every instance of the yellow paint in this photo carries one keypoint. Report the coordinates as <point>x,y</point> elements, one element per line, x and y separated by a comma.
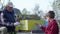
<point>28,24</point>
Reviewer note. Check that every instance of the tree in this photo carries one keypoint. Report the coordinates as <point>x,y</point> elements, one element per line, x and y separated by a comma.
<point>24,12</point>
<point>41,14</point>
<point>56,8</point>
<point>2,2</point>
<point>17,14</point>
<point>36,9</point>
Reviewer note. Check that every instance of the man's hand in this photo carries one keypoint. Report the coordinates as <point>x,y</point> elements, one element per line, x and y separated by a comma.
<point>8,24</point>
<point>3,23</point>
<point>16,23</point>
<point>12,24</point>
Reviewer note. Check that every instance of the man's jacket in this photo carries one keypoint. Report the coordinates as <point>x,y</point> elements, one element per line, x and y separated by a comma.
<point>8,16</point>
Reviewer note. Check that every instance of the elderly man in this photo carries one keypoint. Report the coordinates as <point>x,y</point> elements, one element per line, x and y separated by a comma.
<point>9,18</point>
<point>3,30</point>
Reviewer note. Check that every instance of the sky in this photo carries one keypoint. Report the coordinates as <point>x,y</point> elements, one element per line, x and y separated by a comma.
<point>44,5</point>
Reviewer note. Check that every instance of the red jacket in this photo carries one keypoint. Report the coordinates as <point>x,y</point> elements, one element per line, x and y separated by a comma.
<point>52,28</point>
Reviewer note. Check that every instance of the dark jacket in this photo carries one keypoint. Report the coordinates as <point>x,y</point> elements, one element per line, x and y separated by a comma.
<point>9,16</point>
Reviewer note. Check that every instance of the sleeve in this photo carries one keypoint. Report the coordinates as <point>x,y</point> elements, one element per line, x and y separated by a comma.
<point>43,28</point>
<point>50,28</point>
<point>2,19</point>
<point>14,16</point>
<point>53,28</point>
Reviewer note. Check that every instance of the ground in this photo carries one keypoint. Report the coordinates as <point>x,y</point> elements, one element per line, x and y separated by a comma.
<point>29,33</point>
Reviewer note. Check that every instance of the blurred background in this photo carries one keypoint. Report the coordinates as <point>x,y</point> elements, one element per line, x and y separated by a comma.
<point>31,12</point>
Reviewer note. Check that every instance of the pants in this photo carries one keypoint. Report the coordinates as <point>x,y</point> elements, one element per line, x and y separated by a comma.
<point>3,30</point>
<point>11,29</point>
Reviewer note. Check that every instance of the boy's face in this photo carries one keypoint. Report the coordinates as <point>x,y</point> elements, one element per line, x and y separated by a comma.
<point>47,16</point>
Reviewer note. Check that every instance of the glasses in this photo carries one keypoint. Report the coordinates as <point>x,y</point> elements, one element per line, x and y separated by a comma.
<point>11,7</point>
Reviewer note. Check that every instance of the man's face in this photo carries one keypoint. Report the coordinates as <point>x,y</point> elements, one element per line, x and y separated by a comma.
<point>9,8</point>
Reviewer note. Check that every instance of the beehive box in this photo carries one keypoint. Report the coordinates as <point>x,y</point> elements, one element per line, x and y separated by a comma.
<point>28,24</point>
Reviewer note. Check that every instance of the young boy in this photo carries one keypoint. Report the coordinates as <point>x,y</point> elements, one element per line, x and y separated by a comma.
<point>52,27</point>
